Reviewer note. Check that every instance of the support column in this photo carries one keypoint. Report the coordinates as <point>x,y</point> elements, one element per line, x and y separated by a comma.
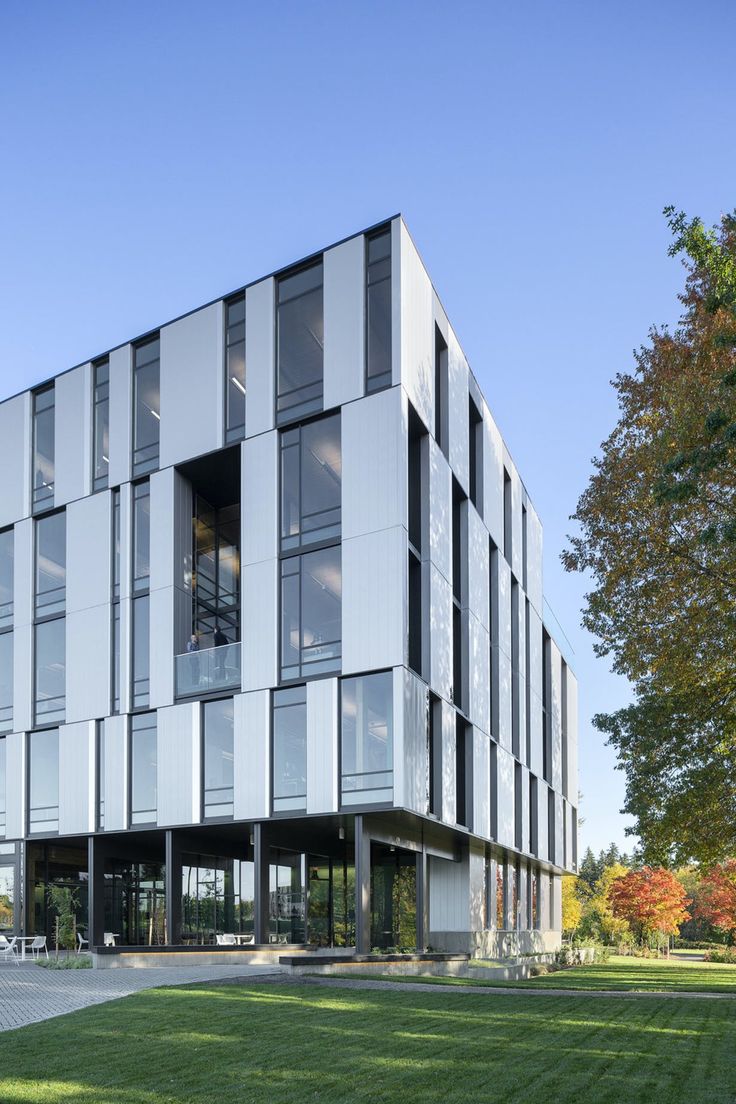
<point>362,887</point>
<point>173,888</point>
<point>422,900</point>
<point>96,892</point>
<point>260,883</point>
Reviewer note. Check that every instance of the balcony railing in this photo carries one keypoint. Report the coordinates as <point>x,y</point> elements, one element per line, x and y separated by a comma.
<point>207,671</point>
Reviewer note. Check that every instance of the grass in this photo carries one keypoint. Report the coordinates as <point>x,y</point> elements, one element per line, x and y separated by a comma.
<point>263,1043</point>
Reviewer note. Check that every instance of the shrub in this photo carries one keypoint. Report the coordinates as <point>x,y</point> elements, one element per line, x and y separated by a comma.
<point>71,962</point>
<point>725,955</point>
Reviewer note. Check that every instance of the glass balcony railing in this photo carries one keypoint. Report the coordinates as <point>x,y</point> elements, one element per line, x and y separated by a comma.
<point>207,671</point>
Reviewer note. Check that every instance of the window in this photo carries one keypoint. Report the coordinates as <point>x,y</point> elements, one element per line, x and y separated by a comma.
<point>299,343</point>
<point>3,794</point>
<point>100,735</point>
<point>546,717</point>
<point>311,613</point>
<point>533,899</point>
<point>551,841</point>
<point>51,565</point>
<point>533,815</point>
<point>235,369</point>
<point>50,671</point>
<point>475,443</point>
<point>6,578</point>
<point>101,425</point>
<point>378,310</point>
<point>434,755</point>
<point>7,899</point>
<point>514,894</point>
<point>367,739</point>
<point>564,727</point>
<point>116,543</point>
<point>518,808</point>
<point>311,479</point>
<point>218,761</point>
<point>6,682</point>
<point>43,449</point>
<point>463,772</point>
<point>524,553</point>
<point>141,536</point>
<point>459,588</point>
<point>417,480</point>
<point>290,749</point>
<point>43,781</point>
<point>115,618</point>
<point>141,651</point>
<point>143,769</point>
<point>147,415</point>
<point>515,680</point>
<point>441,405</point>
<point>500,895</point>
<point>527,680</point>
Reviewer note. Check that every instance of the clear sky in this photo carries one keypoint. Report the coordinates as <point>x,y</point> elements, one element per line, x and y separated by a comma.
<point>157,155</point>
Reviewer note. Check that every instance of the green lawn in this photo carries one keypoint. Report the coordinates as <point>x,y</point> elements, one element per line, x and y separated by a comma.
<point>283,1044</point>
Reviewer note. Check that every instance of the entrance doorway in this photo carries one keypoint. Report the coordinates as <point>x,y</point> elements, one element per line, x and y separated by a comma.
<point>393,898</point>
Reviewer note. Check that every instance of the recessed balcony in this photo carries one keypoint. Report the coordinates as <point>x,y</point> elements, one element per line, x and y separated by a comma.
<point>207,671</point>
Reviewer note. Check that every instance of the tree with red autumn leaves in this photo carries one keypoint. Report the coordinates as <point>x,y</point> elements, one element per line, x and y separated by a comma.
<point>652,900</point>
<point>716,900</point>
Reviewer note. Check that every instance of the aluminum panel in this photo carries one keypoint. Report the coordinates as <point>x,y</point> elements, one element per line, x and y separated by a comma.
<point>478,568</point>
<point>447,765</point>
<point>374,463</point>
<point>192,385</point>
<point>374,600</point>
<point>15,785</point>
<point>555,666</point>
<point>534,558</point>
<point>344,319</point>
<point>88,554</point>
<point>177,747</point>
<point>252,748</point>
<point>411,761</point>
<point>572,737</point>
<point>260,605</point>
<point>260,357</point>
<point>506,833</point>
<point>440,633</point>
<point>481,784</point>
<point>88,663</point>
<point>449,899</point>
<point>121,413</point>
<point>116,773</point>
<point>417,333</point>
<point>492,477</point>
<point>440,510</point>
<point>479,673</point>
<point>260,498</point>
<point>502,720</point>
<point>161,633</point>
<point>457,368</point>
<point>15,434</point>
<point>76,778</point>
<point>322,746</point>
<point>73,434</point>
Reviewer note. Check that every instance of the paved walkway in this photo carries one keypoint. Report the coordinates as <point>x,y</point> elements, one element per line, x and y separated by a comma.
<point>30,993</point>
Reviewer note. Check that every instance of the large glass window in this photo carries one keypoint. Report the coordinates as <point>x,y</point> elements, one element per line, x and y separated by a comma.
<point>100,735</point>
<point>101,425</point>
<point>290,749</point>
<point>7,898</point>
<point>43,449</point>
<point>367,739</point>
<point>50,672</point>
<point>6,682</point>
<point>141,535</point>
<point>43,790</point>
<point>311,613</point>
<point>141,651</point>
<point>3,792</point>
<point>143,769</point>
<point>217,896</point>
<point>311,478</point>
<point>51,565</point>
<point>147,407</point>
<point>235,369</point>
<point>218,758</point>
<point>300,343</point>
<point>378,310</point>
<point>6,578</point>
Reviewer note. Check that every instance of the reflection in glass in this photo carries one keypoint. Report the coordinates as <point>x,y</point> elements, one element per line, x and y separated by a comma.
<point>290,749</point>
<point>3,799</point>
<point>218,758</point>
<point>300,343</point>
<point>43,785</point>
<point>141,651</point>
<point>311,477</point>
<point>100,733</point>
<point>50,681</point>
<point>235,369</point>
<point>378,311</point>
<point>216,579</point>
<point>367,739</point>
<point>147,407</point>
<point>6,578</point>
<point>43,449</point>
<point>51,564</point>
<point>143,769</point>
<point>217,896</point>
<point>287,911</point>
<point>101,426</point>
<point>7,898</point>
<point>6,682</point>
<point>311,613</point>
<point>141,535</point>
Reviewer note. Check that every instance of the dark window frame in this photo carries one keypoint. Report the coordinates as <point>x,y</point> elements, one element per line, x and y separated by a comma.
<point>100,402</point>
<point>313,404</point>
<point>236,432</point>
<point>382,380</point>
<point>145,465</point>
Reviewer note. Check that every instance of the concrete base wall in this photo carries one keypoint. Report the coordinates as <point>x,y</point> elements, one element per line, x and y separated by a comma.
<point>495,944</point>
<point>204,957</point>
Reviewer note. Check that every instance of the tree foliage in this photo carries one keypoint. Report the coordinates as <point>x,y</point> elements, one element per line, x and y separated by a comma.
<point>652,900</point>
<point>572,908</point>
<point>657,533</point>
<point>716,901</point>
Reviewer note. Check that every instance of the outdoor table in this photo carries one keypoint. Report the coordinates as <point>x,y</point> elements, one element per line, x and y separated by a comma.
<point>23,939</point>
<point>243,940</point>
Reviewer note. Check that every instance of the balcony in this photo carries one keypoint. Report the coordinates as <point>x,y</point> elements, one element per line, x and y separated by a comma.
<point>207,671</point>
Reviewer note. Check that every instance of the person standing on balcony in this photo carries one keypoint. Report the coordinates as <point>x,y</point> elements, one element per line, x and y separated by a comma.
<point>220,640</point>
<point>193,649</point>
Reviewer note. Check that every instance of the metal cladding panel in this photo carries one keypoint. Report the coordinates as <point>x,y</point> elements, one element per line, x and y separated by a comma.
<point>535,652</point>
<point>440,510</point>
<point>121,412</point>
<point>322,746</point>
<point>505,790</point>
<point>76,778</point>
<point>556,887</point>
<point>162,528</point>
<point>479,675</point>
<point>260,357</point>
<point>517,543</point>
<point>542,819</point>
<point>22,676</point>
<point>525,840</point>
<point>15,787</point>
<point>449,901</point>
<point>260,605</point>
<point>537,733</point>
<point>252,747</point>
<point>559,857</point>
<point>502,699</point>
<point>88,663</point>
<point>260,498</point>
<point>417,332</point>
<point>374,600</point>
<point>116,773</point>
<point>457,393</point>
<point>567,814</point>
<point>374,463</point>
<point>534,558</point>
<point>161,636</point>
<point>481,784</point>
<point>88,558</point>
<point>440,633</point>
<point>502,596</point>
<point>492,477</point>
<point>22,631</point>
<point>449,787</point>
<point>177,737</point>
<point>344,318</point>
<point>572,737</point>
<point>73,434</point>
<point>555,667</point>
<point>192,385</point>
<point>411,762</point>
<point>478,568</point>
<point>126,654</point>
<point>23,573</point>
<point>15,434</point>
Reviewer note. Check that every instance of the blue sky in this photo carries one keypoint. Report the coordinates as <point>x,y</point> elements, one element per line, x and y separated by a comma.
<point>155,156</point>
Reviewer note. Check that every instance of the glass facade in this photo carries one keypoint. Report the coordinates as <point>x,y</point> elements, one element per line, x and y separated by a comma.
<point>146,403</point>
<point>290,749</point>
<point>141,536</point>
<point>100,739</point>
<point>216,576</point>
<point>217,897</point>
<point>217,768</point>
<point>6,682</point>
<point>50,671</point>
<point>311,613</point>
<point>367,739</point>
<point>378,310</point>
<point>141,651</point>
<point>6,578</point>
<point>143,769</point>
<point>44,449</point>
<point>3,790</point>
<point>7,899</point>
<point>135,902</point>
<point>311,483</point>
<point>43,781</point>
<point>101,426</point>
<point>235,369</point>
<point>51,565</point>
<point>299,343</point>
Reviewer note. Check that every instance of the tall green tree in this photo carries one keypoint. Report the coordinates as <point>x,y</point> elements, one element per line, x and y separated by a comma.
<point>657,535</point>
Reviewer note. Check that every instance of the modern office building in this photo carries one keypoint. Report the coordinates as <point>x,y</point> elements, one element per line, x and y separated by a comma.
<point>274,654</point>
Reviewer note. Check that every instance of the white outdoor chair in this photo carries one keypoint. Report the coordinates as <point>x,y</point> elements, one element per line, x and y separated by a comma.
<point>81,942</point>
<point>108,939</point>
<point>8,953</point>
<point>38,945</point>
<point>3,942</point>
<point>226,940</point>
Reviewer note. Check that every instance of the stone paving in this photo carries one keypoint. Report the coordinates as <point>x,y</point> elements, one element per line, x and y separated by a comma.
<point>30,993</point>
